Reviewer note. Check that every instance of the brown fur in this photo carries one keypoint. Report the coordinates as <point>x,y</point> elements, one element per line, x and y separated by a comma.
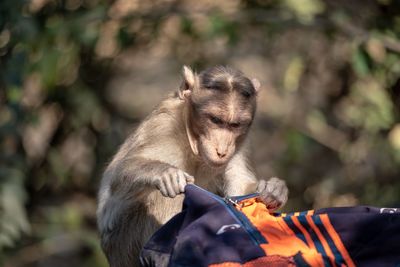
<point>198,132</point>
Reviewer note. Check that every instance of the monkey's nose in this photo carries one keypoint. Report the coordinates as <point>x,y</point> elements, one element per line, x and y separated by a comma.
<point>221,154</point>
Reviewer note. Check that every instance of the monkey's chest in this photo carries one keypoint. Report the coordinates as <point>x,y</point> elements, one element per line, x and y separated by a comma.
<point>209,180</point>
<point>164,208</point>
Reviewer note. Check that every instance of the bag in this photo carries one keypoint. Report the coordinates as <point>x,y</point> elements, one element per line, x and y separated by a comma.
<point>240,231</point>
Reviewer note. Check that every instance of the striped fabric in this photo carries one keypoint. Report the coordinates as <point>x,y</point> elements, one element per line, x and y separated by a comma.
<point>240,231</point>
<point>307,237</point>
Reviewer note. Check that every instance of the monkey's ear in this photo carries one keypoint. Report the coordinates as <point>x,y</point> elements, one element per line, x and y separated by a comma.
<point>188,82</point>
<point>256,83</point>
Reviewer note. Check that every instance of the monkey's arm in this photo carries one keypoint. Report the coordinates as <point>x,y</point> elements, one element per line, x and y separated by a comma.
<point>129,179</point>
<point>239,177</point>
<point>136,174</point>
<point>240,180</point>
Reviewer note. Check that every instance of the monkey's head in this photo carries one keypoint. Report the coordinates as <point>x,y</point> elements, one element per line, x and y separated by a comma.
<point>221,104</point>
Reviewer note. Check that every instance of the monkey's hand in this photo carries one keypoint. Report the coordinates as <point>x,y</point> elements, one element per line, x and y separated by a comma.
<point>173,181</point>
<point>274,193</point>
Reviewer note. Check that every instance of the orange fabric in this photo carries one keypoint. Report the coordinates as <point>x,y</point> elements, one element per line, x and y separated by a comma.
<point>283,214</point>
<point>275,261</point>
<point>310,212</point>
<point>336,240</point>
<point>323,241</point>
<point>304,231</point>
<point>283,241</point>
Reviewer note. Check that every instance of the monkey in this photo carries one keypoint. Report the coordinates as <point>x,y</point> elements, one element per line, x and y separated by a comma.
<point>198,134</point>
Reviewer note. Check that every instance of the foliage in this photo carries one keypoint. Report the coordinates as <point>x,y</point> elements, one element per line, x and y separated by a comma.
<point>76,74</point>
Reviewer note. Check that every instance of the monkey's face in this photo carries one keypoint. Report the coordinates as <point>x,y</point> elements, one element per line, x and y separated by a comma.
<point>220,137</point>
<point>221,120</point>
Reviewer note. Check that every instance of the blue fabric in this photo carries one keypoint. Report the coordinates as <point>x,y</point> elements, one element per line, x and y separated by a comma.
<point>191,237</point>
<point>211,231</point>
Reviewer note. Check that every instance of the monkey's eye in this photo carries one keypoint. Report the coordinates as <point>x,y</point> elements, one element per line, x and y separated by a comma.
<point>234,125</point>
<point>216,120</point>
<point>245,94</point>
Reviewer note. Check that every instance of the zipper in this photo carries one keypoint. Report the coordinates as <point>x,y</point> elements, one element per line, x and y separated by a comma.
<point>241,198</point>
<point>254,234</point>
<point>230,203</point>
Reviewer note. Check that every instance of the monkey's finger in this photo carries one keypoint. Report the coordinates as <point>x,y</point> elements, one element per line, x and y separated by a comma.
<point>261,186</point>
<point>273,206</point>
<point>175,182</point>
<point>189,178</point>
<point>267,199</point>
<point>181,182</point>
<point>270,187</point>
<point>167,182</point>
<point>280,193</point>
<point>286,194</point>
<point>276,184</point>
<point>275,180</point>
<point>277,191</point>
<point>160,186</point>
<point>272,202</point>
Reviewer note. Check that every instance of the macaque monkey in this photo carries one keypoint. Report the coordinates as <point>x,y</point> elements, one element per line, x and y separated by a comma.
<point>196,135</point>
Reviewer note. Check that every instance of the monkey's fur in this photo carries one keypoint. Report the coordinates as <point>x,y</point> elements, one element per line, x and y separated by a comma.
<point>196,135</point>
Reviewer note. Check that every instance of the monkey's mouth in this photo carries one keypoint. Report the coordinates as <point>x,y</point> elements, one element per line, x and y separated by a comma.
<point>216,164</point>
<point>212,160</point>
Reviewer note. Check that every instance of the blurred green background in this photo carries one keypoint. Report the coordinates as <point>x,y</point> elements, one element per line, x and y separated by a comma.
<point>78,75</point>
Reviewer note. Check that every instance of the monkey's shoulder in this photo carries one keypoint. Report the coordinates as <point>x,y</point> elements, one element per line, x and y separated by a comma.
<point>162,129</point>
<point>171,106</point>
<point>166,114</point>
<point>168,109</point>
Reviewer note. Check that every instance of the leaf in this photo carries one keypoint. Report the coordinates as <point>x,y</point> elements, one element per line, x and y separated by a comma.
<point>305,10</point>
<point>13,217</point>
<point>293,74</point>
<point>394,137</point>
<point>360,62</point>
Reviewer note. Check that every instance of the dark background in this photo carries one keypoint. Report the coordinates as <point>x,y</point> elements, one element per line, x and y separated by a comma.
<point>78,75</point>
